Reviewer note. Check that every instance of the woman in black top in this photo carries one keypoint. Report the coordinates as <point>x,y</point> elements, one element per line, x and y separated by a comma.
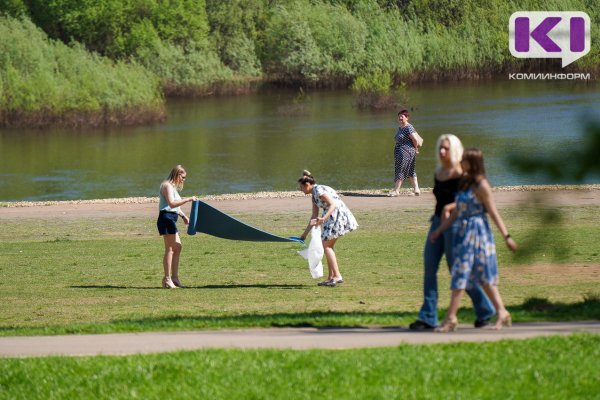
<point>447,176</point>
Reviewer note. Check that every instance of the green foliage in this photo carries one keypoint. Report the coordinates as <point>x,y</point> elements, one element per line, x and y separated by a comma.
<point>110,27</point>
<point>44,79</point>
<point>289,51</point>
<point>13,8</point>
<point>380,82</point>
<point>184,71</point>
<point>375,91</point>
<point>235,27</point>
<point>306,43</point>
<point>168,38</point>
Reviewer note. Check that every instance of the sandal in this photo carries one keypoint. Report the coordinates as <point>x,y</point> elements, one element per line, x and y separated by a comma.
<point>329,282</point>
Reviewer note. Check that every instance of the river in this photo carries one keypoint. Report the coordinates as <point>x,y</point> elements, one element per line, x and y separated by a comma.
<point>263,141</point>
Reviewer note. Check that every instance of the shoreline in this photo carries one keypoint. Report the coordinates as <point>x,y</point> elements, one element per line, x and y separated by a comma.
<point>289,195</point>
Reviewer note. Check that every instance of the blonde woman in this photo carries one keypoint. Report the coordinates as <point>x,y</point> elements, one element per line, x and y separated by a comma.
<point>336,221</point>
<point>169,206</point>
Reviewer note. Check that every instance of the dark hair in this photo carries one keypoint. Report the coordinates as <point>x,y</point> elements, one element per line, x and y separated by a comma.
<point>306,178</point>
<point>473,157</point>
<point>404,112</point>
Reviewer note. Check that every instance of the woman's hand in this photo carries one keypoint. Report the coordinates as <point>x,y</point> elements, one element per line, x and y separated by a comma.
<point>186,220</point>
<point>447,210</point>
<point>510,242</point>
<point>320,221</point>
<point>434,235</point>
<point>193,198</point>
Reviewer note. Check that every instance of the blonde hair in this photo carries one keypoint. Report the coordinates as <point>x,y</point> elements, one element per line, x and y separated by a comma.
<point>306,178</point>
<point>456,148</point>
<point>175,177</point>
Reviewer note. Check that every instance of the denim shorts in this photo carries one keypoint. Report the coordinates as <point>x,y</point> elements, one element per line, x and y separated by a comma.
<point>167,223</point>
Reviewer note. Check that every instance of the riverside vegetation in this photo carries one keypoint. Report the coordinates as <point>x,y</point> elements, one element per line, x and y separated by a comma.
<point>115,60</point>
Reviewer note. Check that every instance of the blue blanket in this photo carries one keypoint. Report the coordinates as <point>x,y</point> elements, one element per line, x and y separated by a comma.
<point>207,219</point>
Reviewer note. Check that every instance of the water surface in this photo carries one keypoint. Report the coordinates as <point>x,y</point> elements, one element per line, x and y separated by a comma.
<point>262,142</point>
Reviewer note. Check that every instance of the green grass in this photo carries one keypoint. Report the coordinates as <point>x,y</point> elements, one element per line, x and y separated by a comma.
<point>542,368</point>
<point>77,275</point>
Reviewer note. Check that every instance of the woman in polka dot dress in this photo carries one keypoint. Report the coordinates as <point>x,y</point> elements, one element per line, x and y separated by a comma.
<point>405,155</point>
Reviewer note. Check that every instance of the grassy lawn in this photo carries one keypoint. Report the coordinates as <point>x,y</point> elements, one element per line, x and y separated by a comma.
<point>542,368</point>
<point>103,275</point>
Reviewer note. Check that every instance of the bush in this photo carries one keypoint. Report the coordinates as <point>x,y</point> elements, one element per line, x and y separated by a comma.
<point>13,8</point>
<point>110,27</point>
<point>46,81</point>
<point>307,43</point>
<point>375,91</point>
<point>190,71</point>
<point>234,28</point>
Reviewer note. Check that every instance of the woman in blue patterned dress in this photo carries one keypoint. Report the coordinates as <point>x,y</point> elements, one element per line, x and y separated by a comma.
<point>336,221</point>
<point>474,248</point>
<point>405,155</point>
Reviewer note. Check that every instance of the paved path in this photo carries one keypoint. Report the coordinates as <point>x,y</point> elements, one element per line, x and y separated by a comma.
<point>273,338</point>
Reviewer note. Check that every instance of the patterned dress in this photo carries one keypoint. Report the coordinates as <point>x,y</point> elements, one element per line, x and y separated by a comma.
<point>474,249</point>
<point>341,221</point>
<point>405,154</point>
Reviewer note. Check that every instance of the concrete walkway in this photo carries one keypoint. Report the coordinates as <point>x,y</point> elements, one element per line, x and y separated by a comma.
<point>273,338</point>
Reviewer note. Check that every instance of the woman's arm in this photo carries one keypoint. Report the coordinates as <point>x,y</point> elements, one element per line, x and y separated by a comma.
<point>444,225</point>
<point>167,190</point>
<point>414,140</point>
<point>331,206</point>
<point>447,210</point>
<point>312,222</point>
<point>484,195</point>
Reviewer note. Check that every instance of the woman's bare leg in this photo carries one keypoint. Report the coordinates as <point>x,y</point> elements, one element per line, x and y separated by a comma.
<point>415,185</point>
<point>503,315</point>
<point>332,266</point>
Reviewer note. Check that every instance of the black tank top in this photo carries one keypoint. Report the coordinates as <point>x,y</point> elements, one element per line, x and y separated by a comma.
<point>444,192</point>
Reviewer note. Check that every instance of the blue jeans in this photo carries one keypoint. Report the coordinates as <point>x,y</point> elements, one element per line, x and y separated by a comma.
<point>432,254</point>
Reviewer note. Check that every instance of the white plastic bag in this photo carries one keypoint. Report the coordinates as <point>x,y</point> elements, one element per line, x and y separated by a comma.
<point>314,253</point>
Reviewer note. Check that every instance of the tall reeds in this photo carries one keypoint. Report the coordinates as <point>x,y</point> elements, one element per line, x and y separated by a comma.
<point>45,81</point>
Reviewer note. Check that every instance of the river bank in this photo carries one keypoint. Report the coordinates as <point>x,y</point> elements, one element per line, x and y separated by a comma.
<point>261,202</point>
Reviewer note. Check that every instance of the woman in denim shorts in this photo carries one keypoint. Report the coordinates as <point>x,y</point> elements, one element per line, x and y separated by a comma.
<point>169,211</point>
